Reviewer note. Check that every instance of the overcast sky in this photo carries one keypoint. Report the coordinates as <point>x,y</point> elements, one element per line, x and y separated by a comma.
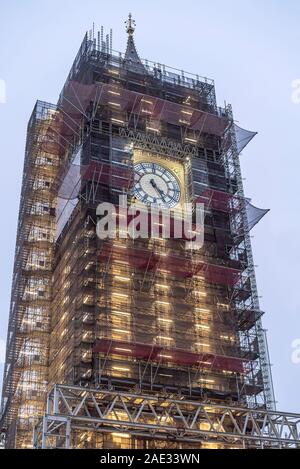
<point>250,48</point>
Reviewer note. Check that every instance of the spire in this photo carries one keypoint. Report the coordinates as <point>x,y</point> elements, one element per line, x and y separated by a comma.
<point>130,25</point>
<point>131,55</point>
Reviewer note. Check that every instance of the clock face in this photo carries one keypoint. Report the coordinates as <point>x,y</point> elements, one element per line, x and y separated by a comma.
<point>156,185</point>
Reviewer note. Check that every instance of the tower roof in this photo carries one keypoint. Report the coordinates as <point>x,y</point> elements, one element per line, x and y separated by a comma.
<point>131,56</point>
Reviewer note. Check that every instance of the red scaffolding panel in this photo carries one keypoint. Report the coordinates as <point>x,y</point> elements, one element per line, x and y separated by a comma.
<point>77,96</point>
<point>186,267</point>
<point>176,356</point>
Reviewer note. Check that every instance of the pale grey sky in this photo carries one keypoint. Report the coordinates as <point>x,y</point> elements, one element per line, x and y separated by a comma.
<point>250,48</point>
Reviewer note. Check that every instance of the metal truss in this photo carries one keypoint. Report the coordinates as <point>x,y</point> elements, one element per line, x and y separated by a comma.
<point>158,144</point>
<point>76,408</point>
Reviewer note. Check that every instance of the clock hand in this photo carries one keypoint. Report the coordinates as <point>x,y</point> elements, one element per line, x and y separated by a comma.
<point>160,191</point>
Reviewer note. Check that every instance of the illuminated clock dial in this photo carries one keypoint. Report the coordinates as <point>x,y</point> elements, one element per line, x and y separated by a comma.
<point>156,185</point>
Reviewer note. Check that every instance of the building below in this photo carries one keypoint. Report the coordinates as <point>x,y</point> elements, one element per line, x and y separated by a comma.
<point>136,342</point>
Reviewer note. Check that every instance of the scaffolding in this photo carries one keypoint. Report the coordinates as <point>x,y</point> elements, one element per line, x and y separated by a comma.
<point>25,373</point>
<point>170,334</point>
<point>78,417</point>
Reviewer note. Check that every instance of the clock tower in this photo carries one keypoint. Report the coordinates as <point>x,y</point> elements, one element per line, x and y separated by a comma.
<point>136,342</point>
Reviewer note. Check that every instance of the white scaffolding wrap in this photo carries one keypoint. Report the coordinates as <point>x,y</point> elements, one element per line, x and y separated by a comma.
<point>243,137</point>
<point>254,214</point>
<point>68,193</point>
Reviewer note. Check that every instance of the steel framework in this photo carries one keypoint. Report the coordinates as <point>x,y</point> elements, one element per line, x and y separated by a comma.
<point>154,328</point>
<point>71,408</point>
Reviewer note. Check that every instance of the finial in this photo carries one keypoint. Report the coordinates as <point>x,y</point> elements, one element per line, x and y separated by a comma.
<point>130,25</point>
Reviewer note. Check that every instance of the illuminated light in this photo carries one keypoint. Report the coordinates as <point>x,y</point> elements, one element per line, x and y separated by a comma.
<point>114,104</point>
<point>164,356</point>
<point>205,363</point>
<point>167,376</point>
<point>202,326</point>
<point>192,140</point>
<point>121,295</point>
<point>165,419</point>
<point>200,293</point>
<point>122,279</point>
<point>182,121</point>
<point>114,72</point>
<point>117,121</point>
<point>120,368</point>
<point>146,101</point>
<point>120,349</point>
<point>188,113</point>
<point>115,93</point>
<point>223,305</point>
<point>203,310</point>
<point>122,313</point>
<point>152,128</point>
<point>164,337</point>
<point>122,331</point>
<point>165,320</point>
<point>207,380</point>
<point>121,435</point>
<point>86,334</point>
<point>164,303</point>
<point>200,344</point>
<point>146,111</point>
<point>227,337</point>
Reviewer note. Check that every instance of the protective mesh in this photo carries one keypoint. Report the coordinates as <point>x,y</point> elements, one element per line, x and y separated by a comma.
<point>243,137</point>
<point>254,214</point>
<point>77,96</point>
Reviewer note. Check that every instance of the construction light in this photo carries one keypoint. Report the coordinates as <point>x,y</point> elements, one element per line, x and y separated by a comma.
<point>121,295</point>
<point>202,326</point>
<point>201,344</point>
<point>122,331</point>
<point>122,279</point>
<point>114,104</point>
<point>120,368</point>
<point>122,313</point>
